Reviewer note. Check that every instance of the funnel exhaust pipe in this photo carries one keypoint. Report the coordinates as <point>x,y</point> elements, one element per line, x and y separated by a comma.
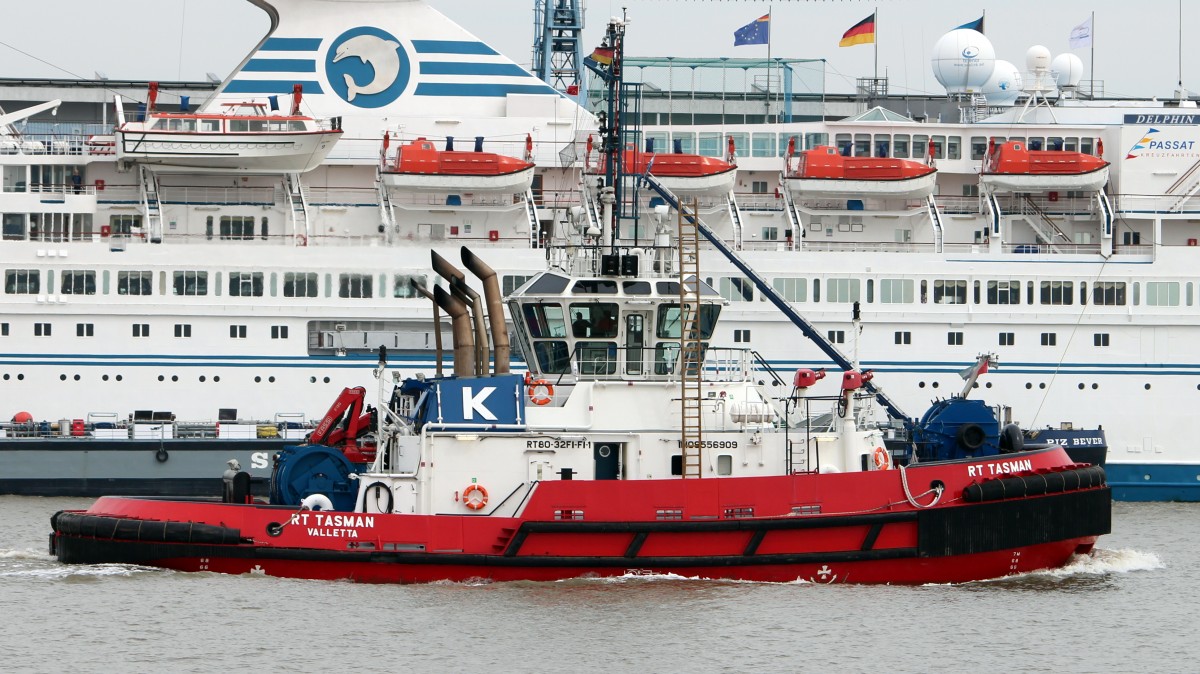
<point>495,307</point>
<point>437,322</point>
<point>471,299</point>
<point>460,324</point>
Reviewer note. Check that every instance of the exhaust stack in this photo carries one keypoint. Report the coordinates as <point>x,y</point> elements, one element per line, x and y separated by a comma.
<point>460,323</point>
<point>495,307</point>
<point>437,322</point>
<point>458,286</point>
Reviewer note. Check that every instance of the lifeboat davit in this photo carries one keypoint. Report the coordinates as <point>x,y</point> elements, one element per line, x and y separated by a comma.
<point>1012,167</point>
<point>419,166</point>
<point>682,173</point>
<point>247,138</point>
<point>824,172</point>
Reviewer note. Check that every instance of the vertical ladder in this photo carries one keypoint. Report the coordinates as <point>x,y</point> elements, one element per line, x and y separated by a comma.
<point>387,211</point>
<point>735,216</point>
<point>994,215</point>
<point>1106,222</point>
<point>591,208</point>
<point>793,215</point>
<point>691,357</point>
<point>535,224</point>
<point>295,193</point>
<point>151,205</point>
<point>935,217</point>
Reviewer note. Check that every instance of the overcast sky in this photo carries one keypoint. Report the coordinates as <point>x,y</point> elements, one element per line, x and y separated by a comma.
<point>1136,44</point>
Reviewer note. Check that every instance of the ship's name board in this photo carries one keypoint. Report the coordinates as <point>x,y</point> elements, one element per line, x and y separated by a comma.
<point>999,468</point>
<point>334,525</point>
<point>1075,442</point>
<point>1162,119</point>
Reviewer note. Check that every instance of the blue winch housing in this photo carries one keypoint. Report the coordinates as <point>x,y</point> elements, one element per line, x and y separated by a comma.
<point>303,470</point>
<point>959,428</point>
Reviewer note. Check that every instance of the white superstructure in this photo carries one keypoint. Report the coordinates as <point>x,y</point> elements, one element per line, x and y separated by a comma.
<point>269,294</point>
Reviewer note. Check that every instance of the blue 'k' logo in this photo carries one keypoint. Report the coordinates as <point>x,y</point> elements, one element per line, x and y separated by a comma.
<point>367,67</point>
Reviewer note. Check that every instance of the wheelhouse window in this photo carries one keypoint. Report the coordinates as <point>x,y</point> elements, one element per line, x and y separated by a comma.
<point>544,320</point>
<point>402,285</point>
<point>191,283</point>
<point>245,284</point>
<point>591,319</point>
<point>669,324</point>
<point>79,283</point>
<point>22,282</point>
<point>510,282</point>
<point>133,282</point>
<point>354,285</point>
<point>299,284</point>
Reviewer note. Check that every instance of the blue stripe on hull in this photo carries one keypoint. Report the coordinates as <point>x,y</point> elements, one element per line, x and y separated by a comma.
<point>1154,481</point>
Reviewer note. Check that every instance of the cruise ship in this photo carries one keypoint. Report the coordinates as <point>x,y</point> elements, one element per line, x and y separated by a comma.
<point>258,290</point>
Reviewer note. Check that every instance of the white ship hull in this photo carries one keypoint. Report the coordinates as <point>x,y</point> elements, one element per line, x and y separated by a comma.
<point>1022,182</point>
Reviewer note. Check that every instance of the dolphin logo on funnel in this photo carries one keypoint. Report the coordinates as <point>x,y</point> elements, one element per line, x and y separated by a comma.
<point>376,52</point>
<point>367,66</point>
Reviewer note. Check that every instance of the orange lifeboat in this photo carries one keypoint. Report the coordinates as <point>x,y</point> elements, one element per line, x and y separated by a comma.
<point>682,173</point>
<point>824,172</point>
<point>1011,166</point>
<point>420,166</point>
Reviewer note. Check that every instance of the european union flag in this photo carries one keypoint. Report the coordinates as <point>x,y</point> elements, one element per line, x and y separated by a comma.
<point>757,31</point>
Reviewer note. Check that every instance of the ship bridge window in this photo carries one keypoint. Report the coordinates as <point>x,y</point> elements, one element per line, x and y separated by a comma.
<point>669,324</point>
<point>277,126</point>
<point>1004,292</point>
<point>191,283</point>
<point>594,320</point>
<point>939,147</point>
<point>862,145</point>
<point>239,125</point>
<point>1108,293</point>
<point>595,287</point>
<point>596,357</point>
<point>949,292</point>
<point>544,320</point>
<point>237,227</point>
<point>954,147</point>
<point>1162,294</point>
<point>736,288</point>
<point>22,281</point>
<point>354,285</point>
<point>403,285</point>
<point>552,357</point>
<point>666,354</point>
<point>671,289</point>
<point>258,125</point>
<point>920,146</point>
<point>210,125</point>
<point>296,125</point>
<point>159,125</point>
<point>510,282</point>
<point>245,284</point>
<point>1057,292</point>
<point>812,140</point>
<point>299,284</point>
<point>896,291</point>
<point>79,283</point>
<point>636,287</point>
<point>741,143</point>
<point>685,142</point>
<point>548,284</point>
<point>1086,146</point>
<point>656,141</point>
<point>791,289</point>
<point>900,146</point>
<point>842,290</point>
<point>133,282</point>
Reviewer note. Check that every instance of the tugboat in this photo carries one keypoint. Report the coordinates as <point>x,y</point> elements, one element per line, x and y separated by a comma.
<point>418,166</point>
<point>246,139</point>
<point>631,444</point>
<point>824,172</point>
<point>1012,166</point>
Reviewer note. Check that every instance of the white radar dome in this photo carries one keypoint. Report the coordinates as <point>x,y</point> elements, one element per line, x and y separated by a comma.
<point>1037,59</point>
<point>963,60</point>
<point>1005,84</point>
<point>1067,69</point>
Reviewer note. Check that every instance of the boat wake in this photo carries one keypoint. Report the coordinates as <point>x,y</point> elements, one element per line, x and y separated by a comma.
<point>30,563</point>
<point>1107,562</point>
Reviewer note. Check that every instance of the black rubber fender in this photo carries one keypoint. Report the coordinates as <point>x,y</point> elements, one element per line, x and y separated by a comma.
<point>1012,440</point>
<point>161,455</point>
<point>970,437</point>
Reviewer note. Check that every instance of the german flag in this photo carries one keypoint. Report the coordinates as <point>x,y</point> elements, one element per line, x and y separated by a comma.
<point>603,55</point>
<point>862,32</point>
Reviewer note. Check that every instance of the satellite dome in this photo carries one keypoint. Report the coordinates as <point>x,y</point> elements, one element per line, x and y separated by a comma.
<point>1037,58</point>
<point>1005,84</point>
<point>963,60</point>
<point>1067,69</point>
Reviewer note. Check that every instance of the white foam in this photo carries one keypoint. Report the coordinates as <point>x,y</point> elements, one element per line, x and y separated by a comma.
<point>1103,562</point>
<point>70,571</point>
<point>27,553</point>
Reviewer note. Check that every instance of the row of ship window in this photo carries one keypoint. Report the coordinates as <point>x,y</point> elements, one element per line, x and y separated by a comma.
<point>183,330</point>
<point>238,283</point>
<point>960,291</point>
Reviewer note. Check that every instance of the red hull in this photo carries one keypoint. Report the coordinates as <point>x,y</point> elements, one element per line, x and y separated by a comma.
<point>826,163</point>
<point>853,527</point>
<point>421,158</point>
<point>1015,158</point>
<point>671,165</point>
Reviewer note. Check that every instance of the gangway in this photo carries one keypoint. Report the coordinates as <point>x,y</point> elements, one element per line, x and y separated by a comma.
<point>793,215</point>
<point>535,224</point>
<point>735,216</point>
<point>769,292</point>
<point>297,198</point>
<point>935,217</point>
<point>151,204</point>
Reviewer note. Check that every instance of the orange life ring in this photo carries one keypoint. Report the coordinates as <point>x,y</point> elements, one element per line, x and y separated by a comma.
<point>883,460</point>
<point>475,497</point>
<point>544,398</point>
